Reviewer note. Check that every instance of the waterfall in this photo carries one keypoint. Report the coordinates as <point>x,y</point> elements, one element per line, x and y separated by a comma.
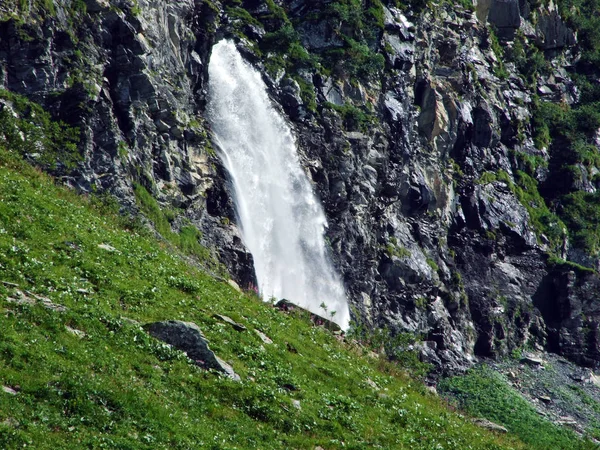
<point>281,220</point>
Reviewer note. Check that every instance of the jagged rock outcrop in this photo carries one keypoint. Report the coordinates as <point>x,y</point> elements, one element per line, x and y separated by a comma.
<point>427,220</point>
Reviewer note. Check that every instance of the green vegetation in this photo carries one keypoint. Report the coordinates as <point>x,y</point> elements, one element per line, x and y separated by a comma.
<point>90,376</point>
<point>23,8</point>
<point>394,249</point>
<point>485,393</point>
<point>431,263</point>
<point>581,212</point>
<point>397,347</point>
<point>528,59</point>
<point>355,119</point>
<point>569,265</point>
<point>30,132</point>
<point>357,26</point>
<point>188,238</point>
<point>499,70</point>
<point>544,221</point>
<point>568,132</point>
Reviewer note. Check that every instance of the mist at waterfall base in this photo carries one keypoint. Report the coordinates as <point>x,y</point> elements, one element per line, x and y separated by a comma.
<point>281,220</point>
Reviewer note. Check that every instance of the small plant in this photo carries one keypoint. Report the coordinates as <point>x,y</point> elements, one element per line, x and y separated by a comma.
<point>431,263</point>
<point>394,249</point>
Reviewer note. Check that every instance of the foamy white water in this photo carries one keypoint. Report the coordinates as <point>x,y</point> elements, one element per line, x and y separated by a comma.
<point>281,220</point>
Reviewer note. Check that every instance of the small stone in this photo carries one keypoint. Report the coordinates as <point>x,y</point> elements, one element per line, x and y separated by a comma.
<point>48,304</point>
<point>130,321</point>
<point>296,404</point>
<point>532,360</point>
<point>488,425</point>
<point>29,298</point>
<point>263,337</point>
<point>234,285</point>
<point>595,380</point>
<point>432,390</point>
<point>108,248</point>
<point>236,326</point>
<point>9,390</point>
<point>80,334</point>
<point>227,369</point>
<point>9,422</point>
<point>545,399</point>
<point>20,300</point>
<point>567,421</point>
<point>372,384</point>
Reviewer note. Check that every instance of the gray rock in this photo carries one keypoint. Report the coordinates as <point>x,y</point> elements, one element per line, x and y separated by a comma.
<point>263,337</point>
<point>78,333</point>
<point>96,5</point>
<point>236,326</point>
<point>187,337</point>
<point>319,36</point>
<point>9,390</point>
<point>488,425</point>
<point>108,248</point>
<point>286,305</point>
<point>532,360</point>
<point>506,17</point>
<point>29,298</point>
<point>555,33</point>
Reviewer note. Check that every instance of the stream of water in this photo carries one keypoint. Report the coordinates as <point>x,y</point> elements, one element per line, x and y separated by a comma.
<point>281,220</point>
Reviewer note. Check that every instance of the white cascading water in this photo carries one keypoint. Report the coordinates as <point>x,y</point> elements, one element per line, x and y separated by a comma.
<point>281,220</point>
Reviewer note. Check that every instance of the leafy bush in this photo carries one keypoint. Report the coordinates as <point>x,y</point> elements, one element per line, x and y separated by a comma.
<point>355,119</point>
<point>581,212</point>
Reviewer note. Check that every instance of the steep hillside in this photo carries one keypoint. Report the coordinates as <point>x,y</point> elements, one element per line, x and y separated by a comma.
<point>78,370</point>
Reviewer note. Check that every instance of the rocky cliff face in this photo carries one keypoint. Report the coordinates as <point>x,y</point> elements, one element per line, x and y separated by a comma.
<point>415,127</point>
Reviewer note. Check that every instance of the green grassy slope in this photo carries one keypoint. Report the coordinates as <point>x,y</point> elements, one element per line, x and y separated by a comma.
<point>115,387</point>
<point>486,393</point>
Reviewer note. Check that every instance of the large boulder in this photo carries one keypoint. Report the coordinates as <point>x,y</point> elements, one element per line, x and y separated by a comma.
<point>556,35</point>
<point>187,337</point>
<point>505,15</point>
